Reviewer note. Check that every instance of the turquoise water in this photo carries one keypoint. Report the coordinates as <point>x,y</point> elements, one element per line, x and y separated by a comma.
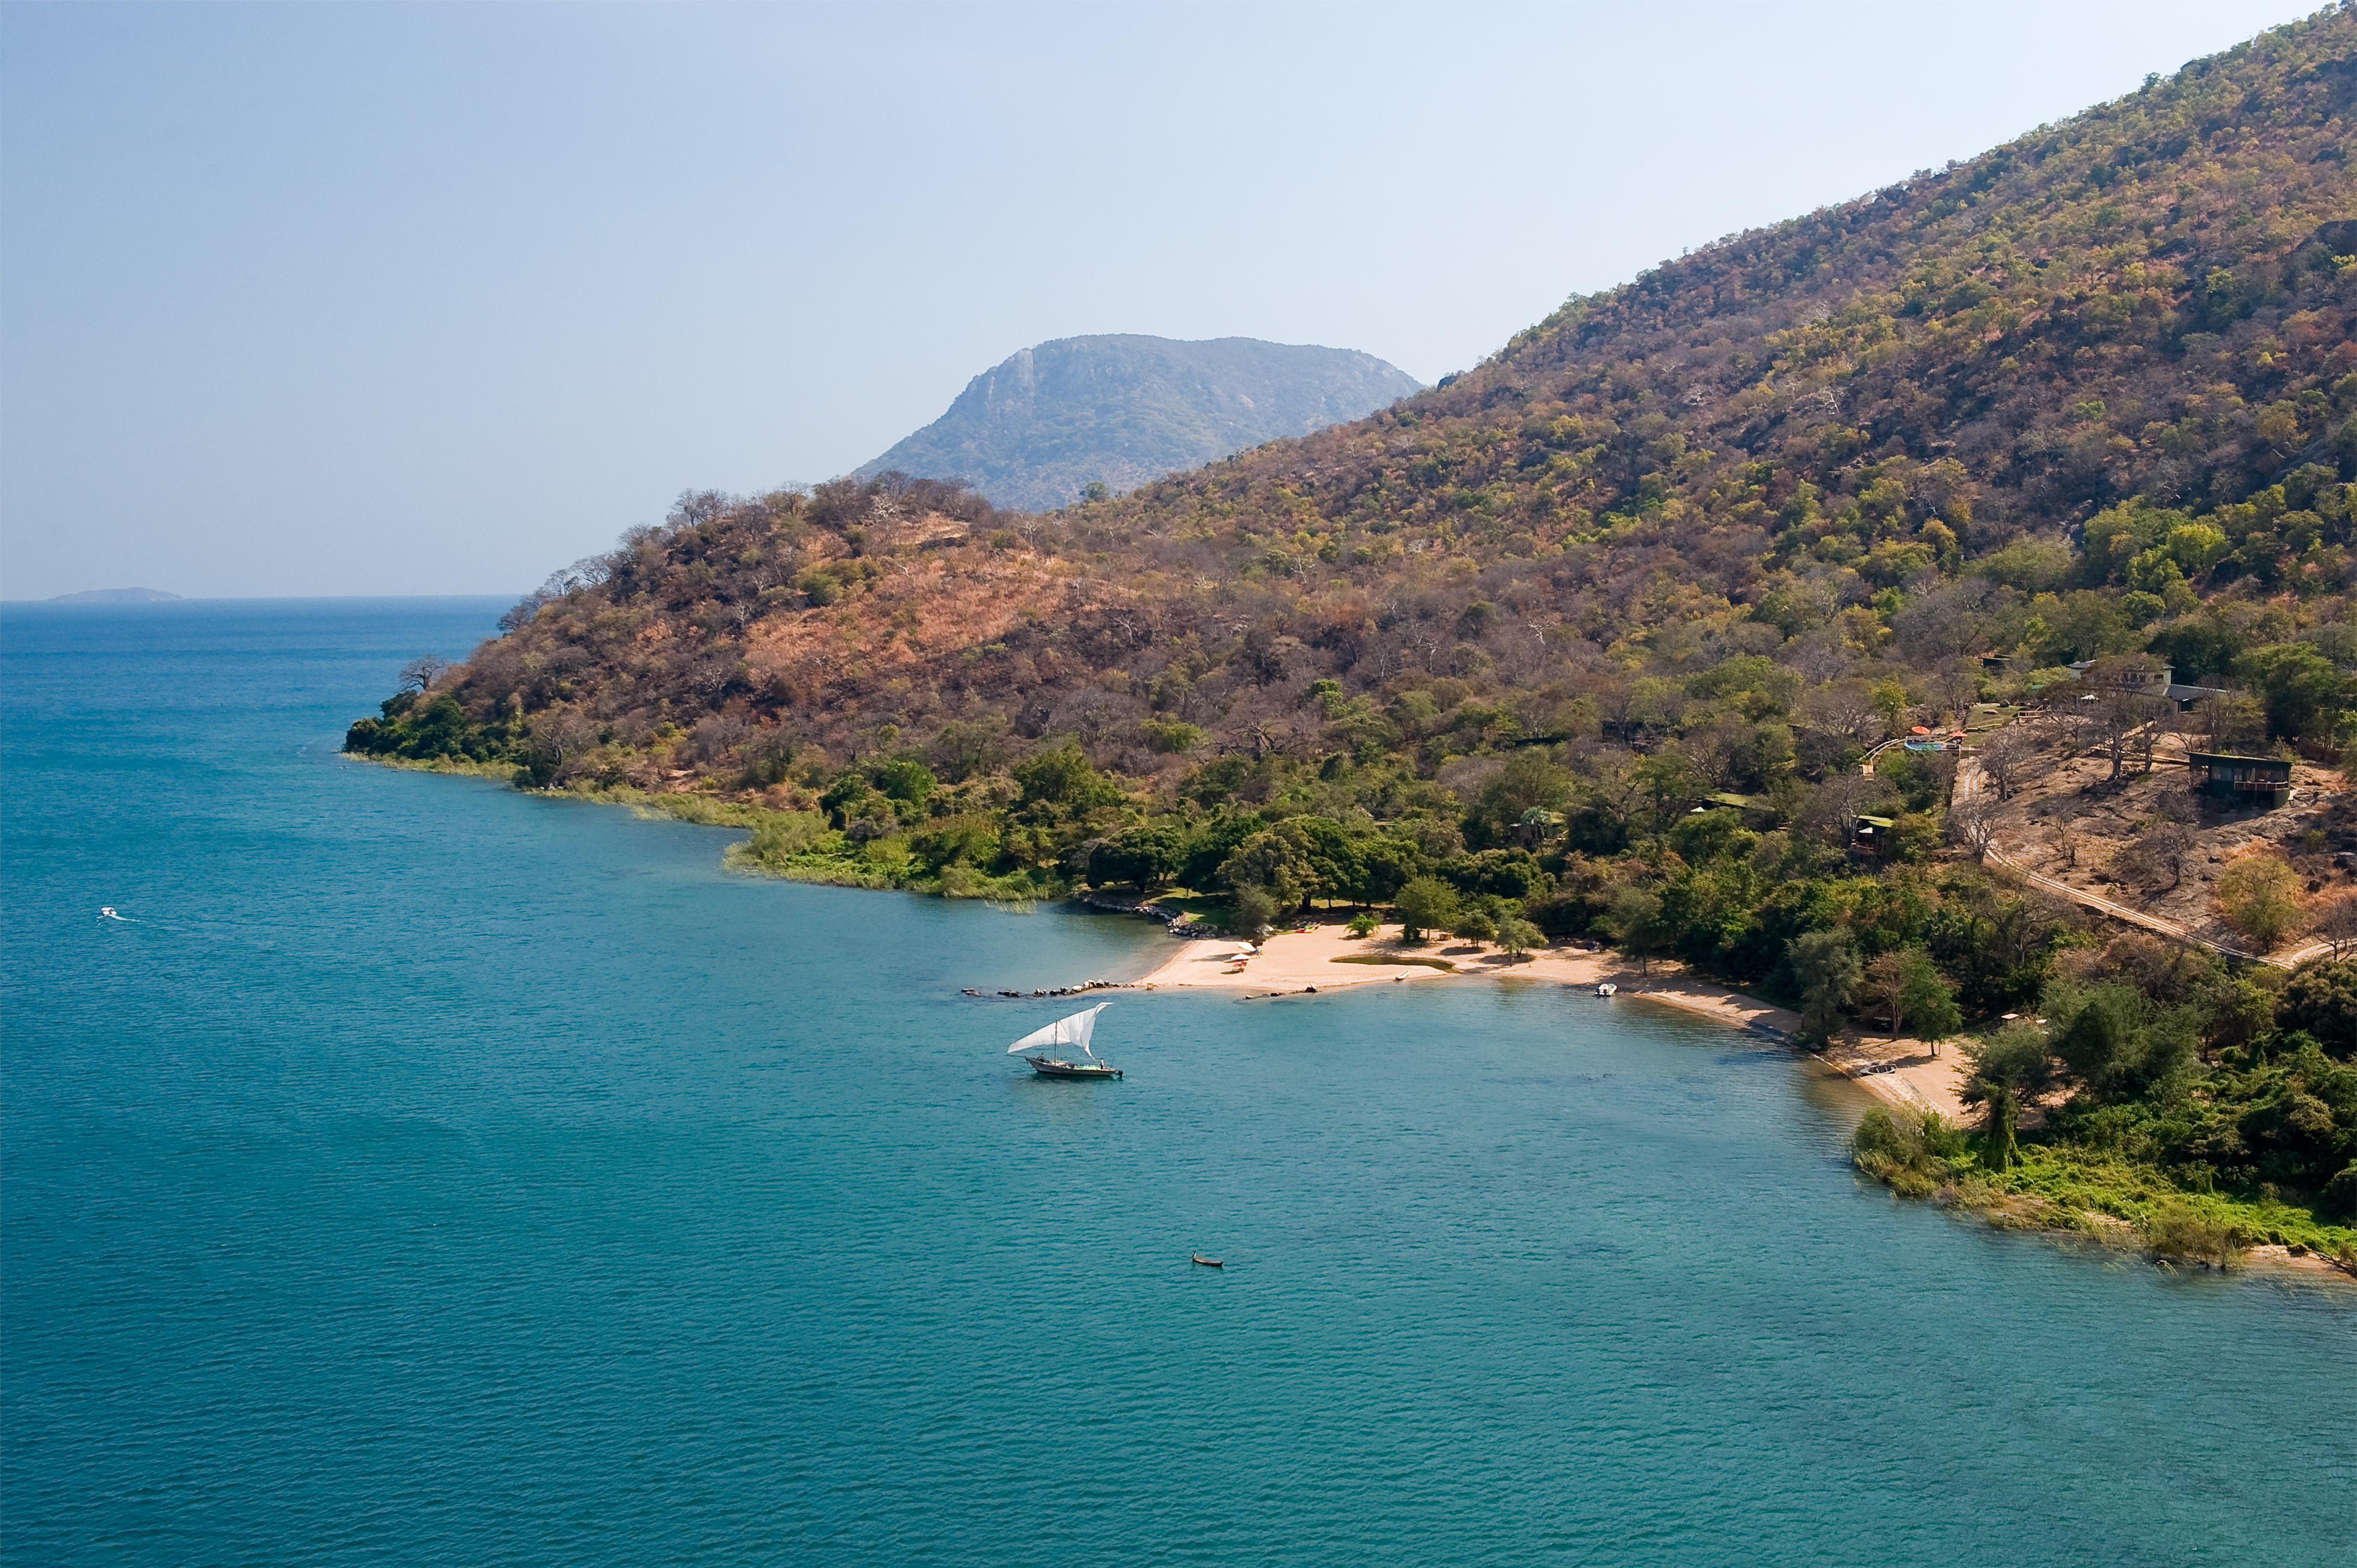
<point>434,1175</point>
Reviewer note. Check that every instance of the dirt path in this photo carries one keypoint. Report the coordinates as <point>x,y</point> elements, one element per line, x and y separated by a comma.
<point>1968,783</point>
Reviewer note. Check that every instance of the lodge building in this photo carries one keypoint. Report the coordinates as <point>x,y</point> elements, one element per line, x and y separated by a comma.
<point>2261,781</point>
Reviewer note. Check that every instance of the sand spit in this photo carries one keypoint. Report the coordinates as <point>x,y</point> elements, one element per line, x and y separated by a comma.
<point>1322,958</point>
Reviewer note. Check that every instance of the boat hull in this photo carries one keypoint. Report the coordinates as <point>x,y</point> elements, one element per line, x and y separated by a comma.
<point>1047,1067</point>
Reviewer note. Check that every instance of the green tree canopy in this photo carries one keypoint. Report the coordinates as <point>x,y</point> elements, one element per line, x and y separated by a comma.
<point>1063,776</point>
<point>2304,692</point>
<point>1826,971</point>
<point>1271,859</point>
<point>1914,994</point>
<point>905,779</point>
<point>1146,856</point>
<point>2117,1040</point>
<point>1426,903</point>
<point>2010,1068</point>
<point>1210,845</point>
<point>2321,1001</point>
<point>1634,920</point>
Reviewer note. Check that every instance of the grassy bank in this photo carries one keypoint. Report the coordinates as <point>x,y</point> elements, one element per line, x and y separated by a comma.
<point>466,768</point>
<point>2090,1192</point>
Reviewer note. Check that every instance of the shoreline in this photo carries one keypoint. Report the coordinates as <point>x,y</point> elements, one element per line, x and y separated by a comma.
<point>1899,1072</point>
<point>1323,958</point>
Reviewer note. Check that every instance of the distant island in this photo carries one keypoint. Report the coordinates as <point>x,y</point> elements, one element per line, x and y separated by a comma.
<point>115,596</point>
<point>1037,430</point>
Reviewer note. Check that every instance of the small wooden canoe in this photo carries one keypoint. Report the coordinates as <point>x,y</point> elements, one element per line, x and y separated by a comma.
<point>1207,1262</point>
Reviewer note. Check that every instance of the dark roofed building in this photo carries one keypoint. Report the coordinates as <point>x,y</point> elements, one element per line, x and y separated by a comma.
<point>2242,780</point>
<point>1873,834</point>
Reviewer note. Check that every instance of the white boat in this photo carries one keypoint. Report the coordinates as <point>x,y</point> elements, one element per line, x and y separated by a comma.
<point>1606,989</point>
<point>1074,1030</point>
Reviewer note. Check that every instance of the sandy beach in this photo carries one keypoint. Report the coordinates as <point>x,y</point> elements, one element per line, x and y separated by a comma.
<point>1326,957</point>
<point>1904,1072</point>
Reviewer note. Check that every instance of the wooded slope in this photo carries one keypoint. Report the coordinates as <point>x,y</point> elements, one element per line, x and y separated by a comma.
<point>1595,637</point>
<point>1870,435</point>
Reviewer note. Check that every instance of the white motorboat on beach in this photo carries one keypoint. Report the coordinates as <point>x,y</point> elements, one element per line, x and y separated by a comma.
<point>1073,1030</point>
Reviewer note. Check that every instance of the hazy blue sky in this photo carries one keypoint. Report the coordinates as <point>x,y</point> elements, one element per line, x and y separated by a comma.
<point>346,299</point>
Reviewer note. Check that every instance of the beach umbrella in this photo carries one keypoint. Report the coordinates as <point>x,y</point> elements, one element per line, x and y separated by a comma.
<point>1922,729</point>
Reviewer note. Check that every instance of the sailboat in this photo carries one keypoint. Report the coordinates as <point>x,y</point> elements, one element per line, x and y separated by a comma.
<point>1072,1031</point>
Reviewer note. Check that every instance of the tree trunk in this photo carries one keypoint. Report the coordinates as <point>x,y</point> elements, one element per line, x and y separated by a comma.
<point>1998,1145</point>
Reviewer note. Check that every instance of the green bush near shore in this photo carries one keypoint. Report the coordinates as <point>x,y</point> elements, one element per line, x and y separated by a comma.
<point>465,767</point>
<point>1912,1151</point>
<point>2166,1210</point>
<point>1918,1154</point>
<point>799,847</point>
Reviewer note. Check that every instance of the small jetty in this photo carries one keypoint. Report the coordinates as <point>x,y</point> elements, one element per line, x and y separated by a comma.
<point>1086,985</point>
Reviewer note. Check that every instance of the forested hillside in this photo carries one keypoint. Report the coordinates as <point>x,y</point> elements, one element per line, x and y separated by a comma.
<point>1117,410</point>
<point>1857,444</point>
<point>1595,636</point>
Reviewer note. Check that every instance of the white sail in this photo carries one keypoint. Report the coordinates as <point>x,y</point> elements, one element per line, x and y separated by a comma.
<point>1072,1031</point>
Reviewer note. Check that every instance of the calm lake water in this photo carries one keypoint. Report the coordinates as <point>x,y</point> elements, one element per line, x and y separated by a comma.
<point>435,1175</point>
